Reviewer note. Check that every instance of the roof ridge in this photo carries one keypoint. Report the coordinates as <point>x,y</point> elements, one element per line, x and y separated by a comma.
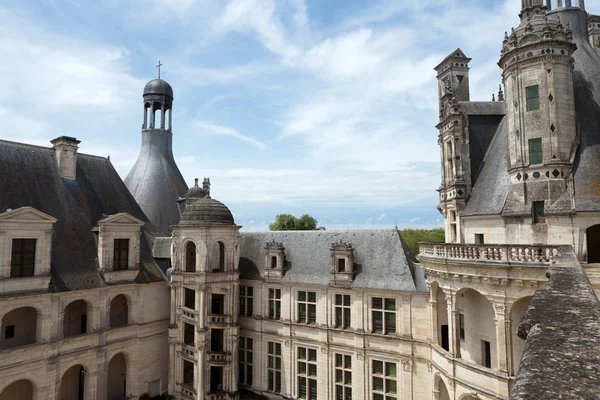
<point>39,147</point>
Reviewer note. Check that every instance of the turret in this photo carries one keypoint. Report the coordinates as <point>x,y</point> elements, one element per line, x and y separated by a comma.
<point>537,66</point>
<point>155,180</point>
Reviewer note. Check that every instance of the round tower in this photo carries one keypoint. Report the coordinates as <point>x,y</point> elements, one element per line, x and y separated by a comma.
<point>537,65</point>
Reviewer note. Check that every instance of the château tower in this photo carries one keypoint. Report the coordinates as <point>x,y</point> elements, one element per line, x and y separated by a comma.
<point>155,170</point>
<point>537,66</point>
<point>203,335</point>
<point>453,87</point>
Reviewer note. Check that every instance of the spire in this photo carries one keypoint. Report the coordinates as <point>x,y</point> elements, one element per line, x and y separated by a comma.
<point>500,93</point>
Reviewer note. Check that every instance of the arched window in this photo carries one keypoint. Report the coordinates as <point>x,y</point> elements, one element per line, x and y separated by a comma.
<point>75,320</point>
<point>119,311</point>
<point>476,328</point>
<point>190,257</point>
<point>516,313</point>
<point>19,328</point>
<point>22,390</point>
<point>218,257</point>
<point>117,378</point>
<point>593,244</point>
<point>442,319</point>
<point>72,384</point>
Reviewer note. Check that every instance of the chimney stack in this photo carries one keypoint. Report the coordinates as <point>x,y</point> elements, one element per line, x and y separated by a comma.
<point>65,150</point>
<point>206,186</point>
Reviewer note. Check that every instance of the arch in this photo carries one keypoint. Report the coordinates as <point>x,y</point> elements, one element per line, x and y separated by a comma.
<point>442,390</point>
<point>19,328</point>
<point>22,389</point>
<point>476,328</point>
<point>517,310</point>
<point>218,257</point>
<point>468,397</point>
<point>116,380</point>
<point>75,319</point>
<point>119,311</point>
<point>592,235</point>
<point>73,383</point>
<point>190,257</point>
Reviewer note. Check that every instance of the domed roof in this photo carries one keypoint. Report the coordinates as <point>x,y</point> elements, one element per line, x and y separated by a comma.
<point>158,86</point>
<point>201,210</point>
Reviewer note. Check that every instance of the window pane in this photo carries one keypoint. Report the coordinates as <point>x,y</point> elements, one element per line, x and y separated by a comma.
<point>242,290</point>
<point>302,312</point>
<point>536,151</point>
<point>339,392</point>
<point>347,300</point>
<point>378,367</point>
<point>348,377</point>
<point>339,376</point>
<point>312,370</point>
<point>390,304</point>
<point>278,293</point>
<point>278,349</point>
<point>348,394</point>
<point>312,355</point>
<point>390,322</point>
<point>271,345</point>
<point>312,388</point>
<point>312,313</point>
<point>302,296</point>
<point>302,368</point>
<point>377,396</point>
<point>338,360</point>
<point>377,383</point>
<point>377,303</point>
<point>390,386</point>
<point>312,297</point>
<point>302,387</point>
<point>338,317</point>
<point>250,291</point>
<point>533,98</point>
<point>377,321</point>
<point>347,362</point>
<point>338,299</point>
<point>271,293</point>
<point>301,353</point>
<point>250,308</point>
<point>390,369</point>
<point>346,318</point>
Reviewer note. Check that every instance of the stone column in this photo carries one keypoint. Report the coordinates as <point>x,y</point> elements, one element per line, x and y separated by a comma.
<point>173,316</point>
<point>236,302</point>
<point>453,325</point>
<point>200,390</point>
<point>501,337</point>
<point>405,319</point>
<point>170,119</point>
<point>162,116</point>
<point>145,117</point>
<point>153,117</point>
<point>433,317</point>
<point>200,306</point>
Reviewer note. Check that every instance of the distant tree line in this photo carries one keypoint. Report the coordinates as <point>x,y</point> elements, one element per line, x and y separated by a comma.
<point>288,222</point>
<point>412,237</point>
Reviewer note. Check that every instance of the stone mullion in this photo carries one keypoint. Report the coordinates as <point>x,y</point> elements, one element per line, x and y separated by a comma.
<point>501,337</point>
<point>433,317</point>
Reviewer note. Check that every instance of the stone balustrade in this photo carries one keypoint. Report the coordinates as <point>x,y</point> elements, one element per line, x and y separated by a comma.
<point>218,357</point>
<point>187,393</point>
<point>495,253</point>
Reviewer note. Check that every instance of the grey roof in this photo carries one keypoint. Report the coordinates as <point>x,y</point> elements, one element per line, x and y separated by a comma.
<point>155,180</point>
<point>158,86</point>
<point>491,187</point>
<point>380,258</point>
<point>483,107</point>
<point>30,178</point>
<point>206,212</point>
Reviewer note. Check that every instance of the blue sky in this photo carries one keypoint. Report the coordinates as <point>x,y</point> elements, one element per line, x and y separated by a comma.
<point>324,107</point>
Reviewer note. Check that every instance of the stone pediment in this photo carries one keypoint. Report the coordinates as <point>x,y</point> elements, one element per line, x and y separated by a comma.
<point>26,215</point>
<point>121,219</point>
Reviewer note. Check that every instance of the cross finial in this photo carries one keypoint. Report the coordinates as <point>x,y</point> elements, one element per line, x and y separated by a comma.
<point>158,66</point>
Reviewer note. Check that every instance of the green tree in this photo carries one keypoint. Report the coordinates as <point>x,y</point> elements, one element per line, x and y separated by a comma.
<point>288,222</point>
<point>413,237</point>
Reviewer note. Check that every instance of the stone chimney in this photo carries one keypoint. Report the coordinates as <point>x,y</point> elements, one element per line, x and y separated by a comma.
<point>206,186</point>
<point>65,151</point>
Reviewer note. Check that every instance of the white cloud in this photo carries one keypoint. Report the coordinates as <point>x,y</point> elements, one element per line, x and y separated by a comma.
<point>382,216</point>
<point>415,219</point>
<point>368,220</point>
<point>228,131</point>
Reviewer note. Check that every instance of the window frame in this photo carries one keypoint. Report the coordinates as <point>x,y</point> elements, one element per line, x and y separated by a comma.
<point>386,381</point>
<point>385,312</point>
<point>309,377</point>
<point>118,254</point>
<point>532,97</point>
<point>461,326</point>
<point>273,371</point>
<point>536,157</point>
<point>246,299</point>
<point>538,216</point>
<point>344,319</point>
<point>310,307</point>
<point>274,304</point>
<point>345,369</point>
<point>23,269</point>
<point>245,361</point>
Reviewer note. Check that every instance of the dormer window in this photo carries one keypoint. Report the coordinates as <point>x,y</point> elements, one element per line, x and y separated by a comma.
<point>274,261</point>
<point>22,262</point>
<point>342,264</point>
<point>121,254</point>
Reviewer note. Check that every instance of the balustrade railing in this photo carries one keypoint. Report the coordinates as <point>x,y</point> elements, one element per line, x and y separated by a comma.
<point>502,253</point>
<point>187,392</point>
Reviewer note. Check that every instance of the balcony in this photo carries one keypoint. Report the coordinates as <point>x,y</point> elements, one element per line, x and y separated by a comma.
<point>187,392</point>
<point>542,255</point>
<point>219,357</point>
<point>217,396</point>
<point>188,352</point>
<point>219,319</point>
<point>189,314</point>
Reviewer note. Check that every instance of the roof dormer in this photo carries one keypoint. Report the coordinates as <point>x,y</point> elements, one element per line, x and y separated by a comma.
<point>274,261</point>
<point>342,264</point>
<point>119,247</point>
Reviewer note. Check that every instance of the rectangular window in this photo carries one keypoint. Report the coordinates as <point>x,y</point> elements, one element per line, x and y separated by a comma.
<point>22,262</point>
<point>462,326</point>
<point>486,355</point>
<point>274,367</point>
<point>9,332</point>
<point>533,98</point>
<point>307,307</point>
<point>245,361</point>
<point>190,298</point>
<point>343,377</point>
<point>341,265</point>
<point>307,373</point>
<point>273,262</point>
<point>246,300</point>
<point>384,380</point>
<point>538,211</point>
<point>189,334</point>
<point>536,152</point>
<point>342,311</point>
<point>121,254</point>
<point>384,315</point>
<point>275,304</point>
<point>479,238</point>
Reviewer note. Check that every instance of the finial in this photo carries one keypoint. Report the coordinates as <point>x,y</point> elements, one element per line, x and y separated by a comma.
<point>158,66</point>
<point>196,182</point>
<point>493,97</point>
<point>206,186</point>
<point>500,93</point>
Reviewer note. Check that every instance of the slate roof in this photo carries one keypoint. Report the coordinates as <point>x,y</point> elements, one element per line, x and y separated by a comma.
<point>30,178</point>
<point>380,256</point>
<point>491,186</point>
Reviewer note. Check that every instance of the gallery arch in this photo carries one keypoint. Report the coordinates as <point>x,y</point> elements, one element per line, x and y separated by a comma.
<point>190,257</point>
<point>75,318</point>
<point>119,311</point>
<point>19,328</point>
<point>117,378</point>
<point>593,244</point>
<point>518,345</point>
<point>22,390</point>
<point>476,328</point>
<point>218,257</point>
<point>72,384</point>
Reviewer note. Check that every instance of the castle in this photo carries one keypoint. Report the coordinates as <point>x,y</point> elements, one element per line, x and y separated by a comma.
<point>116,289</point>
